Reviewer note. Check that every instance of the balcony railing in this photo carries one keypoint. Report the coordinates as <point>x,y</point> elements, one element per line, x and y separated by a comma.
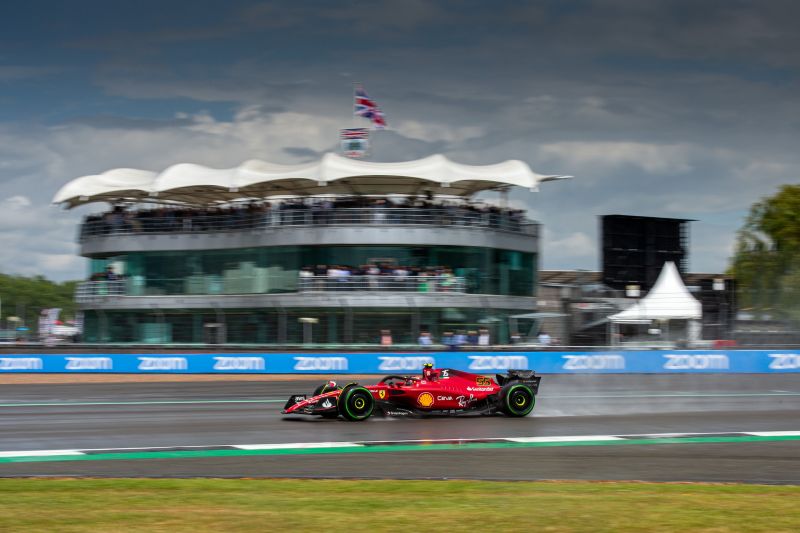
<point>153,222</point>
<point>87,291</point>
<point>418,284</point>
<point>211,285</point>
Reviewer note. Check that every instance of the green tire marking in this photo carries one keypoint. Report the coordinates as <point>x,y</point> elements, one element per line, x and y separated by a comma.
<point>347,407</point>
<point>514,409</point>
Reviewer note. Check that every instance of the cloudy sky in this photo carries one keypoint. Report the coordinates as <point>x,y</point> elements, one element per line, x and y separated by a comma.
<point>664,108</point>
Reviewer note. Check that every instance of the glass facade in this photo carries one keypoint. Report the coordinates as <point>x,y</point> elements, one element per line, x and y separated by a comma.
<point>275,269</point>
<point>272,326</point>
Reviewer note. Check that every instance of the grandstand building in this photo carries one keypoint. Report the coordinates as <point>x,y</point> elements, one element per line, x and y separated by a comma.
<point>332,252</point>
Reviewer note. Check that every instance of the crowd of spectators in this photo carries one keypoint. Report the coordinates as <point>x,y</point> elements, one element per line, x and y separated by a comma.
<point>455,340</point>
<point>452,340</point>
<point>303,211</point>
<point>106,275</point>
<point>380,276</point>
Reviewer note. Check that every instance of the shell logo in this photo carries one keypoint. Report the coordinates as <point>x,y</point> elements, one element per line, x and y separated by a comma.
<point>425,399</point>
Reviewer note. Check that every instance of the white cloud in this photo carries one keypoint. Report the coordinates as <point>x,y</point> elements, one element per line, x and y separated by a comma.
<point>576,245</point>
<point>605,156</point>
<point>15,202</point>
<point>433,132</point>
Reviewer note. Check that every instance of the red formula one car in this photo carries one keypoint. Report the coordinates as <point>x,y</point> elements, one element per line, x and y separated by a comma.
<point>442,391</point>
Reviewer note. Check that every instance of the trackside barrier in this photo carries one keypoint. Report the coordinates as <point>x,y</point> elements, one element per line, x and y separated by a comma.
<point>649,362</point>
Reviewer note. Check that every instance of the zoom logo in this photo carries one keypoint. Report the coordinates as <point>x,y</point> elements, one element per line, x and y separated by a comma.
<point>20,363</point>
<point>696,362</point>
<point>397,363</point>
<point>594,362</point>
<point>239,363</point>
<point>89,363</point>
<point>784,361</point>
<point>320,363</point>
<point>497,362</point>
<point>163,363</point>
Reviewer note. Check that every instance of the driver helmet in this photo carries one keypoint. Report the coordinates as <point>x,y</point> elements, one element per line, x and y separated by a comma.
<point>428,372</point>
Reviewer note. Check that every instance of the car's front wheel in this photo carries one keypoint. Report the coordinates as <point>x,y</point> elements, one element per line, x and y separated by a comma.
<point>356,403</point>
<point>517,399</point>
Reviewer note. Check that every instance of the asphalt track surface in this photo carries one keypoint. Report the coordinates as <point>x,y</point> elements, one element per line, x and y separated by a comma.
<point>165,415</point>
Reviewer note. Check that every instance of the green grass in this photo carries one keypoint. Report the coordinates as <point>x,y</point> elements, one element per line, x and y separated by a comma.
<point>200,505</point>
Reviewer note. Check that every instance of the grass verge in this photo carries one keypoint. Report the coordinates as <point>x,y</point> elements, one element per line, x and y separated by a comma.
<point>200,505</point>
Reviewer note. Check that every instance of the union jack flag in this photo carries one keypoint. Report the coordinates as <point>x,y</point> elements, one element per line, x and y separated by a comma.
<point>354,133</point>
<point>367,108</point>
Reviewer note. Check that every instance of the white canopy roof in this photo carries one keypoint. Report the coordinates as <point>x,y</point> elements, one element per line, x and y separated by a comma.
<point>333,174</point>
<point>668,299</point>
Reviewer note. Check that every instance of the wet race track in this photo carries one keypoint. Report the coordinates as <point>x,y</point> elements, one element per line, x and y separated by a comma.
<point>643,427</point>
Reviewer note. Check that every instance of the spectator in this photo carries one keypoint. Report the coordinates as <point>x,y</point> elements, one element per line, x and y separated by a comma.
<point>110,274</point>
<point>544,338</point>
<point>483,338</point>
<point>449,341</point>
<point>306,274</point>
<point>425,339</point>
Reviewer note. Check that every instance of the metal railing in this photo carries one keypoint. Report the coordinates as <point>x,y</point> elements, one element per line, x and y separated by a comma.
<point>186,221</point>
<point>87,291</point>
<point>211,285</point>
<point>371,283</point>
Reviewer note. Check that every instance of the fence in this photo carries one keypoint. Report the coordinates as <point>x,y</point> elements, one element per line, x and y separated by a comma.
<point>136,222</point>
<point>619,362</point>
<point>371,283</point>
<point>88,291</point>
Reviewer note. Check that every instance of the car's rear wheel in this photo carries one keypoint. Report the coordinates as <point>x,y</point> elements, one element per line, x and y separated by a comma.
<point>356,403</point>
<point>517,399</point>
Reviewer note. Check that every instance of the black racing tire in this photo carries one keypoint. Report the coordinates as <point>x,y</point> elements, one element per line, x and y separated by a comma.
<point>333,413</point>
<point>356,403</point>
<point>517,399</point>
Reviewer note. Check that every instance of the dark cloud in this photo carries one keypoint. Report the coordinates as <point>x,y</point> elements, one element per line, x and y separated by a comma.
<point>669,107</point>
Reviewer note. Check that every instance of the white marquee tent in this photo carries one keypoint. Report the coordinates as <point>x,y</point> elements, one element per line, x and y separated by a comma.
<point>333,174</point>
<point>669,299</point>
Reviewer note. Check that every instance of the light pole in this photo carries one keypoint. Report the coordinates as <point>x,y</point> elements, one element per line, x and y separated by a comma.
<point>308,323</point>
<point>719,288</point>
<point>15,321</point>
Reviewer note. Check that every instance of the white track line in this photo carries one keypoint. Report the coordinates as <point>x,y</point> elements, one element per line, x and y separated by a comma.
<point>572,438</point>
<point>297,445</point>
<point>40,453</point>
<point>422,442</point>
<point>775,433</point>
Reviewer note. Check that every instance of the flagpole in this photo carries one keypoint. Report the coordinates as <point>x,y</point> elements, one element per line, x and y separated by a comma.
<point>355,85</point>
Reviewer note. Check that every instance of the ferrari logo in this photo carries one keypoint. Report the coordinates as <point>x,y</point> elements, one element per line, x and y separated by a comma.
<point>382,394</point>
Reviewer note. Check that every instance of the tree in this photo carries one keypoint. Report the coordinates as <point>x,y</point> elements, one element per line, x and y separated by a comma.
<point>766,263</point>
<point>26,297</point>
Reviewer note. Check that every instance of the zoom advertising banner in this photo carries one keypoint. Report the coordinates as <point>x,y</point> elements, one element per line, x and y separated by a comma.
<point>622,362</point>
